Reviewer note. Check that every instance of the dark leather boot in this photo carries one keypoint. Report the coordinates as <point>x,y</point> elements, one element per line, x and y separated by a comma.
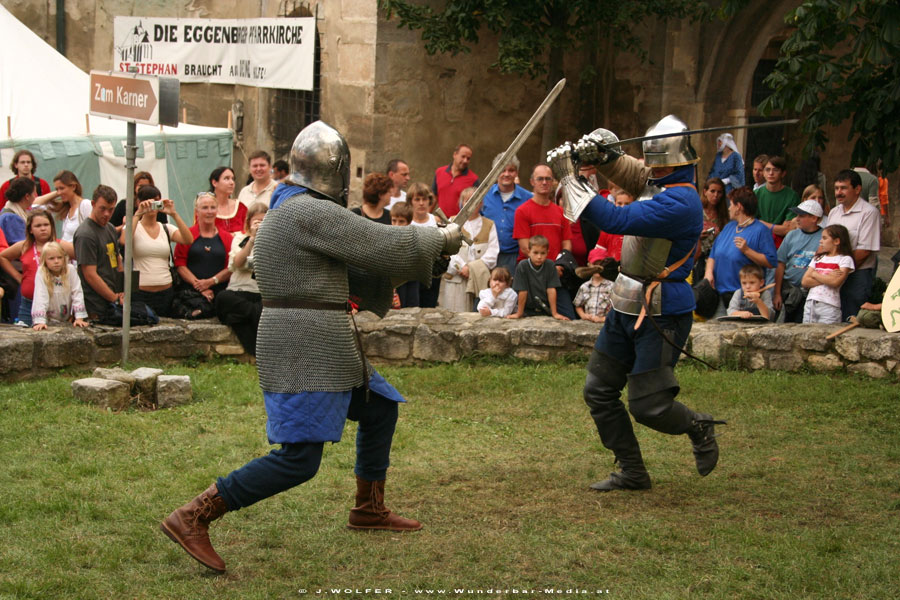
<point>371,513</point>
<point>189,527</point>
<point>703,437</point>
<point>623,480</point>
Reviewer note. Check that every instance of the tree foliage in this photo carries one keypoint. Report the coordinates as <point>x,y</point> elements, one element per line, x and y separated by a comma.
<point>843,62</point>
<point>528,29</point>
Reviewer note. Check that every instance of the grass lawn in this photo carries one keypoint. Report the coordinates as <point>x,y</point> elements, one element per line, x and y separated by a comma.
<point>495,460</point>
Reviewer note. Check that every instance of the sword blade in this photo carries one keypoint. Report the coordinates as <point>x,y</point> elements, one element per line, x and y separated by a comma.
<point>706,130</point>
<point>463,215</point>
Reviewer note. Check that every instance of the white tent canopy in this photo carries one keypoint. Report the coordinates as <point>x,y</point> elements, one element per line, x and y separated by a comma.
<point>53,123</point>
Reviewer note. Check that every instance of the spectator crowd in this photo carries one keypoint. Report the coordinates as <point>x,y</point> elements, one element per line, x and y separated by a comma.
<point>769,250</point>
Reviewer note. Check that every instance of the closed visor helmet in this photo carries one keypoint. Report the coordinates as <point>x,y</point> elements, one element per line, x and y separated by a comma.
<point>320,161</point>
<point>675,151</point>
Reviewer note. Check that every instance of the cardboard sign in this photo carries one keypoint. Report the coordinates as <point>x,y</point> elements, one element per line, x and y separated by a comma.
<point>890,306</point>
<point>270,53</point>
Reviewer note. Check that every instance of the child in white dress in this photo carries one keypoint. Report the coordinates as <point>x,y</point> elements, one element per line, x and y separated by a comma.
<point>58,297</point>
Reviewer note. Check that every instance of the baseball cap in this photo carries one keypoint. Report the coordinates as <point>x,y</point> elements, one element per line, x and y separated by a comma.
<point>596,255</point>
<point>808,207</point>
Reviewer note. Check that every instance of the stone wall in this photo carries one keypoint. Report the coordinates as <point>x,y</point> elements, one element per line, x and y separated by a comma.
<point>25,353</point>
<point>415,335</point>
<point>421,335</point>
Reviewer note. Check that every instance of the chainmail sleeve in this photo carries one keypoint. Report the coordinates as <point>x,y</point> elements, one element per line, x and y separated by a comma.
<point>628,173</point>
<point>302,252</point>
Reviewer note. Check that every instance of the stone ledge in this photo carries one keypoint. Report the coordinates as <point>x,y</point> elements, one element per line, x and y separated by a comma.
<point>26,354</point>
<point>419,335</point>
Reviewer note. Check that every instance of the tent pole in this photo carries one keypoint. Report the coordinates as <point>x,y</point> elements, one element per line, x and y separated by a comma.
<point>130,155</point>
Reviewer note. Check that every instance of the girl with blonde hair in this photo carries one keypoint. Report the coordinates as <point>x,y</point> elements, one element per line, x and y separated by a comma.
<point>58,297</point>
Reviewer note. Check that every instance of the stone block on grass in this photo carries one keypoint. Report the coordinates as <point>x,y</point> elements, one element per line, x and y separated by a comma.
<point>115,374</point>
<point>105,393</point>
<point>145,384</point>
<point>173,390</point>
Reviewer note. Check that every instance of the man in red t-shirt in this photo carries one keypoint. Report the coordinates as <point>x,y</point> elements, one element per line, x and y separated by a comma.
<point>540,216</point>
<point>24,164</point>
<point>452,179</point>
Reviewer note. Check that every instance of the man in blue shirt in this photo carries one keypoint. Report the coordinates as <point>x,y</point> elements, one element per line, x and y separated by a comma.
<point>500,204</point>
<point>653,303</point>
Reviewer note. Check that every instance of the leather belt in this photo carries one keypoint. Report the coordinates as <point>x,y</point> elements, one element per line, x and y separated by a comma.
<point>308,304</point>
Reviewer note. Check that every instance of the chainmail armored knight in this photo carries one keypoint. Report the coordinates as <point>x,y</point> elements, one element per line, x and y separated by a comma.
<point>310,368</point>
<point>302,251</point>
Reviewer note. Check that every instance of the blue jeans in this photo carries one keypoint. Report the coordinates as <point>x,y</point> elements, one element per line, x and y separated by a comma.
<point>856,290</point>
<point>25,311</point>
<point>293,464</point>
<point>564,304</point>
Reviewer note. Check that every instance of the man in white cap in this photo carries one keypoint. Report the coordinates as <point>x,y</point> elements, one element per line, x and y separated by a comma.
<point>728,165</point>
<point>794,254</point>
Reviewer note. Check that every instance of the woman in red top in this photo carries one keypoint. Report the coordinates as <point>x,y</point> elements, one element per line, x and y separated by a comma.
<point>202,264</point>
<point>39,229</point>
<point>230,213</point>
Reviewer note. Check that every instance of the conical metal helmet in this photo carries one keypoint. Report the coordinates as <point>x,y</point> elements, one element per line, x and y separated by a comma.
<point>674,151</point>
<point>320,161</point>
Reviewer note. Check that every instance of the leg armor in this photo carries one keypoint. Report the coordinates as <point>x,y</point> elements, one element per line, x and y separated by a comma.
<point>602,392</point>
<point>651,399</point>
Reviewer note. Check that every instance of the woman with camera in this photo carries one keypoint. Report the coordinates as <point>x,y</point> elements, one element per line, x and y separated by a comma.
<point>152,248</point>
<point>240,305</point>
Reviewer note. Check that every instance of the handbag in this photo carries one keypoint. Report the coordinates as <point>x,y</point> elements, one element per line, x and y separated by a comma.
<point>173,270</point>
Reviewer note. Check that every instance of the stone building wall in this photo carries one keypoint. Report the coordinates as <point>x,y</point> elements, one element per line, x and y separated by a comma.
<point>390,99</point>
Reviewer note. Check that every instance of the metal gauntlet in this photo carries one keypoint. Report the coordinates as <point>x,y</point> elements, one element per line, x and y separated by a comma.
<point>452,238</point>
<point>577,191</point>
<point>593,148</point>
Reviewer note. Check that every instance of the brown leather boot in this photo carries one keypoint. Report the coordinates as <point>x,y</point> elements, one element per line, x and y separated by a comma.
<point>188,527</point>
<point>371,513</point>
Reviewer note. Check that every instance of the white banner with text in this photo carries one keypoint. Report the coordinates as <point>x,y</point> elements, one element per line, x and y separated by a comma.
<point>270,53</point>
